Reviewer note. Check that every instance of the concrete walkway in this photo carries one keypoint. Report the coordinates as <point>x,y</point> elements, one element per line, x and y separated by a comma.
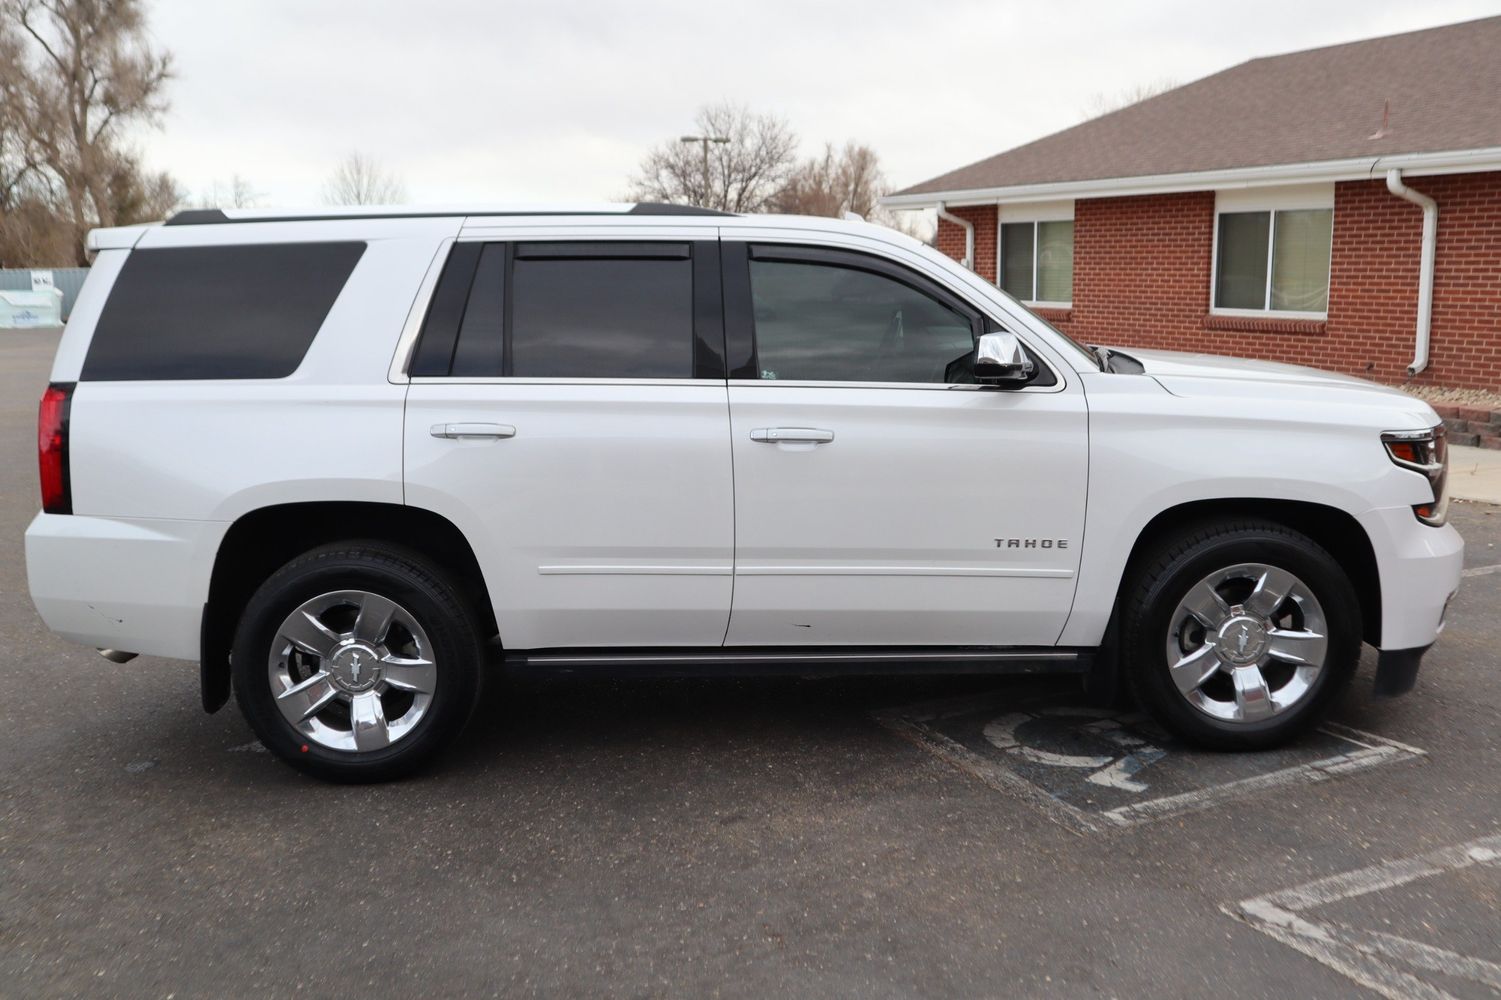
<point>1475,474</point>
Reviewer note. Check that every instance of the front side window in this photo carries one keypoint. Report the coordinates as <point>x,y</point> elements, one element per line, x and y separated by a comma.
<point>834,323</point>
<point>1037,260</point>
<point>1274,261</point>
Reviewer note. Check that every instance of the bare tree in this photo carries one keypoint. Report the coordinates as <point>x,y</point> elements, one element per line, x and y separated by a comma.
<point>1103,104</point>
<point>82,72</point>
<point>18,164</point>
<point>847,180</point>
<point>361,180</point>
<point>840,181</point>
<point>744,173</point>
<point>237,192</point>
<point>137,194</point>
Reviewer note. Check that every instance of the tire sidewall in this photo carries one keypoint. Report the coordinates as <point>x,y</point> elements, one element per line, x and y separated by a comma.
<point>455,651</point>
<point>1147,661</point>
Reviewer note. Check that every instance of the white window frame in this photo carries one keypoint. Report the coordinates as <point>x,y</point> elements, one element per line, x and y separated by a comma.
<point>1271,200</point>
<point>1034,212</point>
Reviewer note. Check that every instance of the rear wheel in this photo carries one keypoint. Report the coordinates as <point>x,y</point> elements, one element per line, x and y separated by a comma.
<point>1238,636</point>
<point>357,662</point>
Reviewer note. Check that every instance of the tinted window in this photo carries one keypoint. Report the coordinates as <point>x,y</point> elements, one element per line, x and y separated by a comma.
<point>217,312</point>
<point>609,317</point>
<point>440,329</point>
<point>823,322</point>
<point>481,347</point>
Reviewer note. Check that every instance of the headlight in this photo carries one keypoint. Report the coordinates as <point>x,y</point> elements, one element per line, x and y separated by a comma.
<point>1424,452</point>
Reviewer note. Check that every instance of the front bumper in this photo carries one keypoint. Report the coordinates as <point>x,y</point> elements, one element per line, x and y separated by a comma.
<point>1419,567</point>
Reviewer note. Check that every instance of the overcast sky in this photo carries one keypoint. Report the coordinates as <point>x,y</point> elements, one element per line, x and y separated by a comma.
<point>559,99</point>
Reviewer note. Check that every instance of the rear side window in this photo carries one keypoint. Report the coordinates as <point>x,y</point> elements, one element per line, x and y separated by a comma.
<point>603,317</point>
<point>575,310</point>
<point>230,312</point>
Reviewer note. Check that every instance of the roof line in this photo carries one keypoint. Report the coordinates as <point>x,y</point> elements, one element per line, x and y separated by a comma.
<point>218,217</point>
<point>1358,168</point>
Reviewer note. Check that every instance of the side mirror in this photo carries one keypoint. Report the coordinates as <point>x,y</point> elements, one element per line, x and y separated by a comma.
<point>1000,360</point>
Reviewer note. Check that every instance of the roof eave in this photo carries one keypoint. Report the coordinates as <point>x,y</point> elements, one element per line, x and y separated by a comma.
<point>1358,168</point>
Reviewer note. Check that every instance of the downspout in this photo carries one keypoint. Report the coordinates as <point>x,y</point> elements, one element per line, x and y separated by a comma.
<point>969,234</point>
<point>1425,272</point>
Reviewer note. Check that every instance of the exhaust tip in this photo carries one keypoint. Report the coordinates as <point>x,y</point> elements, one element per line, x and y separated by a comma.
<point>117,655</point>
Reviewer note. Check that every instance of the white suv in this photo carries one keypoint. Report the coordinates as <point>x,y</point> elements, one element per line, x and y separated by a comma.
<point>343,460</point>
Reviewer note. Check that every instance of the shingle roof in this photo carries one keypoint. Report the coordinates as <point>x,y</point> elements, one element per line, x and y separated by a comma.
<point>1444,85</point>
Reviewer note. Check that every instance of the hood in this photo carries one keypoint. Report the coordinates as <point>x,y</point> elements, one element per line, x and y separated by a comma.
<point>1179,364</point>
<point>1262,382</point>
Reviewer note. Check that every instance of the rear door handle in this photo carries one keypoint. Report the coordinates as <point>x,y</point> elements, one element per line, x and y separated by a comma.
<point>791,435</point>
<point>472,432</point>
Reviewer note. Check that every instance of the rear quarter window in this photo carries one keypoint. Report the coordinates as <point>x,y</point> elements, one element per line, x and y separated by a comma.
<point>222,312</point>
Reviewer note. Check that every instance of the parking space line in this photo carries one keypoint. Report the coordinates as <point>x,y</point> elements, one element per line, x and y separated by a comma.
<point>917,724</point>
<point>1480,570</point>
<point>1299,774</point>
<point>1372,958</point>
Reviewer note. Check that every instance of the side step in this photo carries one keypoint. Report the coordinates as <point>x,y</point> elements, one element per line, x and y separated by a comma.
<point>805,662</point>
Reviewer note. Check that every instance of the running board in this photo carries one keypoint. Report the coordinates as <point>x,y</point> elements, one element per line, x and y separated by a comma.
<point>831,662</point>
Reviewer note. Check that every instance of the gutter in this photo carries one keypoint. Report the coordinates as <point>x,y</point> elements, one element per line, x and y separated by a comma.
<point>969,234</point>
<point>1353,169</point>
<point>1425,272</point>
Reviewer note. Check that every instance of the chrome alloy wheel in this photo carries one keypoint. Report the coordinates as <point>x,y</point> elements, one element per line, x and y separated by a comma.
<point>1247,642</point>
<point>351,670</point>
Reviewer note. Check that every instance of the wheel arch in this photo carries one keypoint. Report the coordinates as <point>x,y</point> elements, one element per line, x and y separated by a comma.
<point>1336,530</point>
<point>262,540</point>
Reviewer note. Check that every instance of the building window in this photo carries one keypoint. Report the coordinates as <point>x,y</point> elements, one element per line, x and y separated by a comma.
<point>1275,260</point>
<point>1037,261</point>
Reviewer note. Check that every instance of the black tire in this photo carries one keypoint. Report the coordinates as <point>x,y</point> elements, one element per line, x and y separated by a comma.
<point>399,575</point>
<point>1164,578</point>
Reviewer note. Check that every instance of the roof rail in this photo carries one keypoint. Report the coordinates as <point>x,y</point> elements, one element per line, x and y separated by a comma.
<point>217,216</point>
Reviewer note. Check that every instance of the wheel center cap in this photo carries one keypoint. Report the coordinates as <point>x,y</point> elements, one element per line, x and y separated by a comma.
<point>354,667</point>
<point>1242,639</point>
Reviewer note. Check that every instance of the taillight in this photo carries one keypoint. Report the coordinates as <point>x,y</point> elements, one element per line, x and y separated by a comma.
<point>52,448</point>
<point>1425,452</point>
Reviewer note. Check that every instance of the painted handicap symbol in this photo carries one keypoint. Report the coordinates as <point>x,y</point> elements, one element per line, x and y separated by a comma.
<point>1113,770</point>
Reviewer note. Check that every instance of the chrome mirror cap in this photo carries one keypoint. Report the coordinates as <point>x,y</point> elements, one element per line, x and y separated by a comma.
<point>999,358</point>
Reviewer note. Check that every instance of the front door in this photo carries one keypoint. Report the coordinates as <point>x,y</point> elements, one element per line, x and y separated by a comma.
<point>568,413</point>
<point>882,498</point>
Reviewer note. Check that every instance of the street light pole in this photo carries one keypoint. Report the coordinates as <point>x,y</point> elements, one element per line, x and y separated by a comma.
<point>704,140</point>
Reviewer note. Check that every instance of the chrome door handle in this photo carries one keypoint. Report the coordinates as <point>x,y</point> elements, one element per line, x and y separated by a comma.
<point>472,432</point>
<point>791,435</point>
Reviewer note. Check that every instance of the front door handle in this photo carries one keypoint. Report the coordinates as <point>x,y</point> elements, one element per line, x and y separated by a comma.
<point>472,432</point>
<point>791,435</point>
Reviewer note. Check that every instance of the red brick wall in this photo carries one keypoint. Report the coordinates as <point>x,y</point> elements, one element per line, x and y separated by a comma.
<point>1141,278</point>
<point>1466,328</point>
<point>950,238</point>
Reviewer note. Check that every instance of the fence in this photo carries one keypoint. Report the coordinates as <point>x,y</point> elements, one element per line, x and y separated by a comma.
<point>67,279</point>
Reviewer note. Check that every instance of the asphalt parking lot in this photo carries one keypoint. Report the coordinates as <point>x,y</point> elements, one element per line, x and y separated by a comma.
<point>880,838</point>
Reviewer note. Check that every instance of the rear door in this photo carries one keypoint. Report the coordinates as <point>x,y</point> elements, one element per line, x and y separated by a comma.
<point>568,412</point>
<point>881,497</point>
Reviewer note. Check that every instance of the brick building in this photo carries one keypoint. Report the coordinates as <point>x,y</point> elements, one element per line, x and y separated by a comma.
<point>1275,209</point>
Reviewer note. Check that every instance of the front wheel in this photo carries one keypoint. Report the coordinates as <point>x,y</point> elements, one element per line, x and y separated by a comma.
<point>356,662</point>
<point>1238,636</point>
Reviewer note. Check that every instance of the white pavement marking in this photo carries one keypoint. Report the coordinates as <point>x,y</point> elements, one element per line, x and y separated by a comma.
<point>917,723</point>
<point>1481,571</point>
<point>1374,958</point>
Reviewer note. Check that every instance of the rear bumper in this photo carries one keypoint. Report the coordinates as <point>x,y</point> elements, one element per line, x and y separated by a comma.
<point>134,584</point>
<point>1420,571</point>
